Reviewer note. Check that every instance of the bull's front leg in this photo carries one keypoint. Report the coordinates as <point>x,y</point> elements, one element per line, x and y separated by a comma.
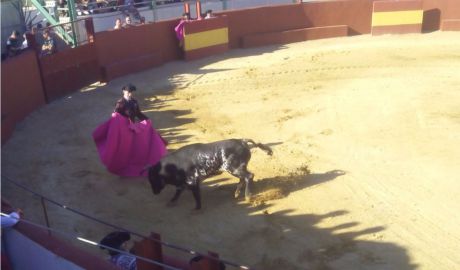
<point>247,191</point>
<point>197,195</point>
<point>179,190</point>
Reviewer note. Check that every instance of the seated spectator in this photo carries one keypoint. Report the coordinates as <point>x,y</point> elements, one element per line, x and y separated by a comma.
<point>118,24</point>
<point>63,4</point>
<point>179,29</point>
<point>209,14</point>
<point>142,20</point>
<point>91,5</point>
<point>11,219</point>
<point>129,8</point>
<point>13,44</point>
<point>37,34</point>
<point>128,22</point>
<point>49,45</point>
<point>24,44</point>
<point>119,240</point>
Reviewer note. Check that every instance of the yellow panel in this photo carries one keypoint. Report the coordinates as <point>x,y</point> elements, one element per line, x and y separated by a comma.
<point>397,17</point>
<point>206,39</point>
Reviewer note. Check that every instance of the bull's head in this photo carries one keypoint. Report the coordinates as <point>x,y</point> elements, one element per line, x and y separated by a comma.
<point>157,181</point>
<point>160,175</point>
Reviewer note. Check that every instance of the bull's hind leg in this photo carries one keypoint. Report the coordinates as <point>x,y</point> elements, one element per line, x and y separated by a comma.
<point>236,164</point>
<point>245,177</point>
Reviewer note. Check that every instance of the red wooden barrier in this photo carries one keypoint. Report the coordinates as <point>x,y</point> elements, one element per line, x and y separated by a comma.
<point>150,249</point>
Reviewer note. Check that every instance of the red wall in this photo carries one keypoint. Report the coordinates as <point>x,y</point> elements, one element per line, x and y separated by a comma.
<point>263,20</point>
<point>356,14</point>
<point>158,40</point>
<point>436,10</point>
<point>22,90</point>
<point>120,52</point>
<point>69,70</point>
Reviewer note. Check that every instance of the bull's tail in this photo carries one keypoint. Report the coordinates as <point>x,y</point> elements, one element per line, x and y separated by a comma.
<point>252,144</point>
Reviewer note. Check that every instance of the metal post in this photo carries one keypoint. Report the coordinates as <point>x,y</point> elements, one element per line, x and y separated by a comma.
<point>73,18</point>
<point>224,4</point>
<point>153,6</point>
<point>46,214</point>
<point>52,20</point>
<point>198,9</point>
<point>89,25</point>
<point>32,43</point>
<point>187,7</point>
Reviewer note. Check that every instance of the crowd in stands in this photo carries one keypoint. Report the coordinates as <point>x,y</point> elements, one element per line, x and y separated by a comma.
<point>127,23</point>
<point>86,7</point>
<point>45,38</point>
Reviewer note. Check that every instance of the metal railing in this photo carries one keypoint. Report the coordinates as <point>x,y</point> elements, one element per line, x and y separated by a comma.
<point>44,200</point>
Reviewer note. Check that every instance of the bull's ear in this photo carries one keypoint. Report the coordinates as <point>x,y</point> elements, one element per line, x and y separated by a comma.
<point>155,169</point>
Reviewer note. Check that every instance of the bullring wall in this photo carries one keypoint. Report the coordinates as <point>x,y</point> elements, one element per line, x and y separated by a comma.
<point>125,51</point>
<point>22,91</point>
<point>437,11</point>
<point>28,83</point>
<point>116,53</point>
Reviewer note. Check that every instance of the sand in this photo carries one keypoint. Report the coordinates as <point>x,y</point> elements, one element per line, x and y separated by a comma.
<point>366,139</point>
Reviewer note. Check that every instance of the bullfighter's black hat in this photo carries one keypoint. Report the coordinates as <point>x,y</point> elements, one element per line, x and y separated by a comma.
<point>115,240</point>
<point>129,87</point>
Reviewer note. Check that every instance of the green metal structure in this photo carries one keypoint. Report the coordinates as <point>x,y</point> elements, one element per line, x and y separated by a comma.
<point>70,39</point>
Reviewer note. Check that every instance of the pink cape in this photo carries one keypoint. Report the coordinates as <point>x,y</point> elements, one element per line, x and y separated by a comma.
<point>179,29</point>
<point>126,148</point>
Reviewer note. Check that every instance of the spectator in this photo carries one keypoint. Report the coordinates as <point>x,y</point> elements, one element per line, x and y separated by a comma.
<point>10,219</point>
<point>62,4</point>
<point>49,45</point>
<point>179,29</point>
<point>119,240</point>
<point>13,44</point>
<point>128,22</point>
<point>118,24</point>
<point>24,44</point>
<point>37,34</point>
<point>209,14</point>
<point>91,5</point>
<point>129,8</point>
<point>142,20</point>
<point>7,221</point>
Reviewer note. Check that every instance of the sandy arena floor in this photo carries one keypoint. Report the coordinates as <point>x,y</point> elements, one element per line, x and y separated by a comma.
<point>365,172</point>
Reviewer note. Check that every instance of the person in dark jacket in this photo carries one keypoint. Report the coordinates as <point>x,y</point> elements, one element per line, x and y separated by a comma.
<point>128,106</point>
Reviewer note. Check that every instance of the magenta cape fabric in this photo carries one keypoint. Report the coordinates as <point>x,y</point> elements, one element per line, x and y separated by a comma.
<point>126,148</point>
<point>179,29</point>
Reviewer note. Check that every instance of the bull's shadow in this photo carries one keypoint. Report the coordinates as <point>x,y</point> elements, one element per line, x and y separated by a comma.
<point>287,239</point>
<point>273,188</point>
<point>282,186</point>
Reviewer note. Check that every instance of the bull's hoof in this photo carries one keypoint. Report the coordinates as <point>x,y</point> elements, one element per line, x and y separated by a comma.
<point>171,204</point>
<point>248,198</point>
<point>237,194</point>
<point>196,211</point>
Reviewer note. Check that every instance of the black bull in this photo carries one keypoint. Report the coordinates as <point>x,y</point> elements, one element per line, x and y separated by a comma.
<point>189,165</point>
